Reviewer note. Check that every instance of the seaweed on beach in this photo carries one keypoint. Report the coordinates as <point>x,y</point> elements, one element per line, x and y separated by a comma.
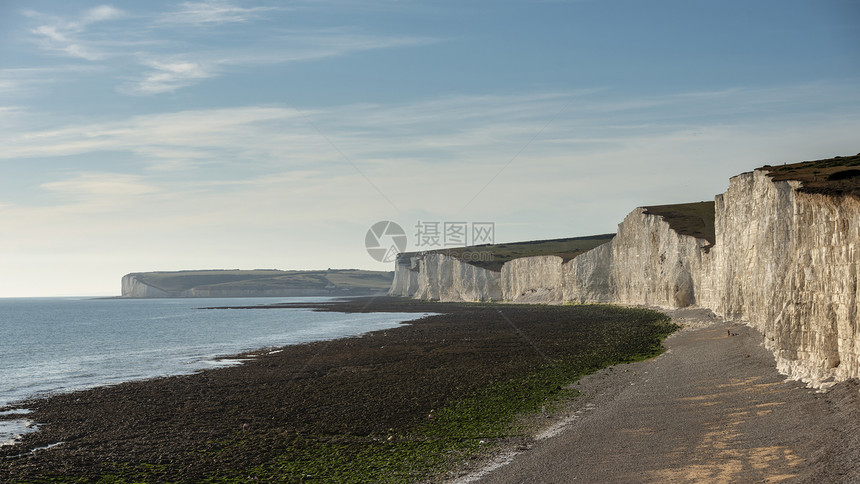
<point>398,405</point>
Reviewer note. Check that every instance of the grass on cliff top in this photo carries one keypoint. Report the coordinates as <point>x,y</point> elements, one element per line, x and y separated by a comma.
<point>493,256</point>
<point>695,219</point>
<point>839,176</point>
<point>176,282</point>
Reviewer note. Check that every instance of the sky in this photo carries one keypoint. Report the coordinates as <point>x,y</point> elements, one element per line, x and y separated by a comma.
<point>171,135</point>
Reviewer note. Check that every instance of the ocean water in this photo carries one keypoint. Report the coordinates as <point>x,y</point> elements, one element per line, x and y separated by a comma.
<point>51,345</point>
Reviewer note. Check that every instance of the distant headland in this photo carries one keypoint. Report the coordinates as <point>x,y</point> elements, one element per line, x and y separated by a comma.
<point>256,283</point>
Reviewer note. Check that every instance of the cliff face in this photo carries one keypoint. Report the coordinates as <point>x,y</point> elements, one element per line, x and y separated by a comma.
<point>783,261</point>
<point>787,263</point>
<point>652,264</point>
<point>533,279</point>
<point>587,278</point>
<point>449,279</point>
<point>405,276</point>
<point>646,263</point>
<point>133,286</point>
<point>444,278</point>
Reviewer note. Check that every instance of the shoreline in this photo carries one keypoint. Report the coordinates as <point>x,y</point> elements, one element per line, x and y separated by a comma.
<point>326,294</point>
<point>184,340</point>
<point>712,407</point>
<point>373,391</point>
<point>16,415</point>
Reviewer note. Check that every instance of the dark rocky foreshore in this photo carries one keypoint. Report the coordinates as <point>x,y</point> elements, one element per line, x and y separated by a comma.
<point>218,422</point>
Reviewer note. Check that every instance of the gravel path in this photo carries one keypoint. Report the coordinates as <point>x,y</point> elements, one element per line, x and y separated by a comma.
<point>711,409</point>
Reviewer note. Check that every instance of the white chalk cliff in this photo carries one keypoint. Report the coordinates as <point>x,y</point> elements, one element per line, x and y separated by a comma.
<point>783,261</point>
<point>133,286</point>
<point>444,278</point>
<point>787,262</point>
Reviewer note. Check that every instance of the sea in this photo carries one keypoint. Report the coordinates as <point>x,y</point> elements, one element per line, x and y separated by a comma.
<point>57,345</point>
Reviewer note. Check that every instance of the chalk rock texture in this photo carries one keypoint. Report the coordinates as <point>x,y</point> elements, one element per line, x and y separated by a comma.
<point>533,280</point>
<point>132,286</point>
<point>406,270</point>
<point>587,278</point>
<point>651,264</point>
<point>784,261</point>
<point>444,278</point>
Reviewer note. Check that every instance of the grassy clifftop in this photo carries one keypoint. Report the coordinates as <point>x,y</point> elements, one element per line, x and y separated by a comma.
<point>838,176</point>
<point>267,282</point>
<point>493,256</point>
<point>695,219</point>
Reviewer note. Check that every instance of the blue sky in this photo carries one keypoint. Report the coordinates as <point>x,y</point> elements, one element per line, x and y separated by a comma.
<point>167,135</point>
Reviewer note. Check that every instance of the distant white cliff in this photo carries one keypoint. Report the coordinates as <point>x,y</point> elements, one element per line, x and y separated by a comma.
<point>134,286</point>
<point>445,278</point>
<point>256,283</point>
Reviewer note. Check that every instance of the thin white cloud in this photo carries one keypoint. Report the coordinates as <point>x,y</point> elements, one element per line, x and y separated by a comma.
<point>242,133</point>
<point>100,14</point>
<point>166,64</point>
<point>212,12</point>
<point>438,131</point>
<point>66,36</point>
<point>170,76</point>
<point>96,193</point>
<point>99,185</point>
<point>178,72</point>
<point>18,81</point>
<point>31,81</point>
<point>438,153</point>
<point>54,40</point>
<point>337,42</point>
